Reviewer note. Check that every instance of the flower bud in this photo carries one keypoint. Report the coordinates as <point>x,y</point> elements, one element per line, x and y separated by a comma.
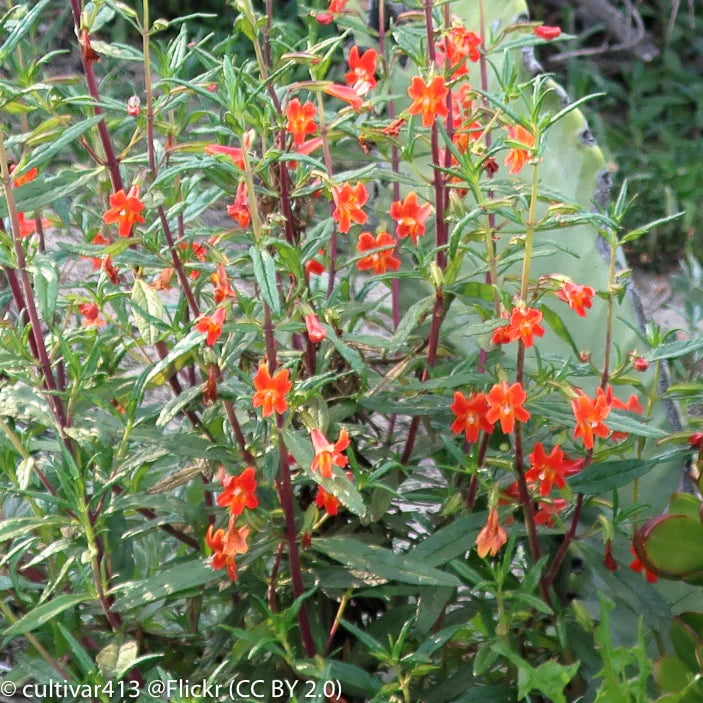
<point>316,332</point>
<point>134,106</point>
<point>640,364</point>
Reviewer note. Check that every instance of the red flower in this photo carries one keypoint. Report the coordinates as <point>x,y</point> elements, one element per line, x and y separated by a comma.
<point>383,259</point>
<point>640,364</point>
<point>316,332</point>
<point>394,127</point>
<point>637,565</point>
<point>240,492</point>
<point>632,405</point>
<point>314,267</point>
<point>271,391</point>
<point>126,210</point>
<point>326,500</point>
<point>589,414</point>
<point>91,315</point>
<point>546,32</point>
<point>362,69</point>
<point>578,297</point>
<point>324,17</point>
<point>226,546</point>
<point>696,440</point>
<point>211,325</point>
<point>547,469</point>
<point>470,415</point>
<point>410,216</point>
<point>328,454</point>
<point>459,46</point>
<point>111,271</point>
<point>222,287</point>
<point>506,405</point>
<point>239,209</point>
<point>546,510</point>
<point>492,537</point>
<point>517,157</point>
<point>300,120</point>
<point>234,152</point>
<point>429,99</point>
<point>337,6</point>
<point>345,93</point>
<point>349,200</point>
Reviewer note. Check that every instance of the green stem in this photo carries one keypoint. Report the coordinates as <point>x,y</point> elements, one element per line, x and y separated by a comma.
<point>609,319</point>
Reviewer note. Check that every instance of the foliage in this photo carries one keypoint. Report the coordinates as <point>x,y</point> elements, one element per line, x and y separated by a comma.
<point>259,403</point>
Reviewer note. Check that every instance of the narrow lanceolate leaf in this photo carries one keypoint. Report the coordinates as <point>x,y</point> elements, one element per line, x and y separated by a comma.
<point>604,477</point>
<point>43,155</point>
<point>673,350</point>
<point>183,577</point>
<point>20,29</point>
<point>16,526</point>
<point>43,613</point>
<point>148,309</point>
<point>410,321</point>
<point>46,285</point>
<point>174,361</point>
<point>265,274</point>
<point>556,323</point>
<point>382,562</point>
<point>116,657</point>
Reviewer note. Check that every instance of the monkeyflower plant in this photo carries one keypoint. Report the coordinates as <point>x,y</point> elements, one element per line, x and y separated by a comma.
<point>292,384</point>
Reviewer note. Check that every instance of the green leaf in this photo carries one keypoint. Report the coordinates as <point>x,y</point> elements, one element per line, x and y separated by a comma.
<point>265,274</point>
<point>174,361</point>
<point>147,307</point>
<point>42,156</point>
<point>603,477</point>
<point>410,321</point>
<point>449,542</point>
<point>117,51</point>
<point>16,526</point>
<point>673,350</point>
<point>46,285</point>
<point>176,579</point>
<point>382,562</point>
<point>671,545</point>
<point>351,356</point>
<point>556,323</point>
<point>22,26</point>
<point>176,404</point>
<point>43,613</point>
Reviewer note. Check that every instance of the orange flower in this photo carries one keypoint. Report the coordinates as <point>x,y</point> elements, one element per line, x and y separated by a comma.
<point>91,315</point>
<point>524,323</point>
<point>326,500</point>
<point>506,405</point>
<point>234,152</point>
<point>492,537</point>
<point>548,470</point>
<point>111,271</point>
<point>546,510</point>
<point>459,46</point>
<point>429,99</point>
<point>410,216</point>
<point>163,280</point>
<point>349,200</point>
<point>362,69</point>
<point>24,178</point>
<point>226,546</point>
<point>301,120</point>
<point>29,226</point>
<point>222,287</point>
<point>470,415</point>
<point>316,332</point>
<point>125,209</point>
<point>382,259</point>
<point>240,492</point>
<point>637,565</point>
<point>96,260</point>
<point>337,5</point>
<point>239,209</point>
<point>517,157</point>
<point>271,391</point>
<point>328,454</point>
<point>589,414</point>
<point>211,325</point>
<point>345,93</point>
<point>578,297</point>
